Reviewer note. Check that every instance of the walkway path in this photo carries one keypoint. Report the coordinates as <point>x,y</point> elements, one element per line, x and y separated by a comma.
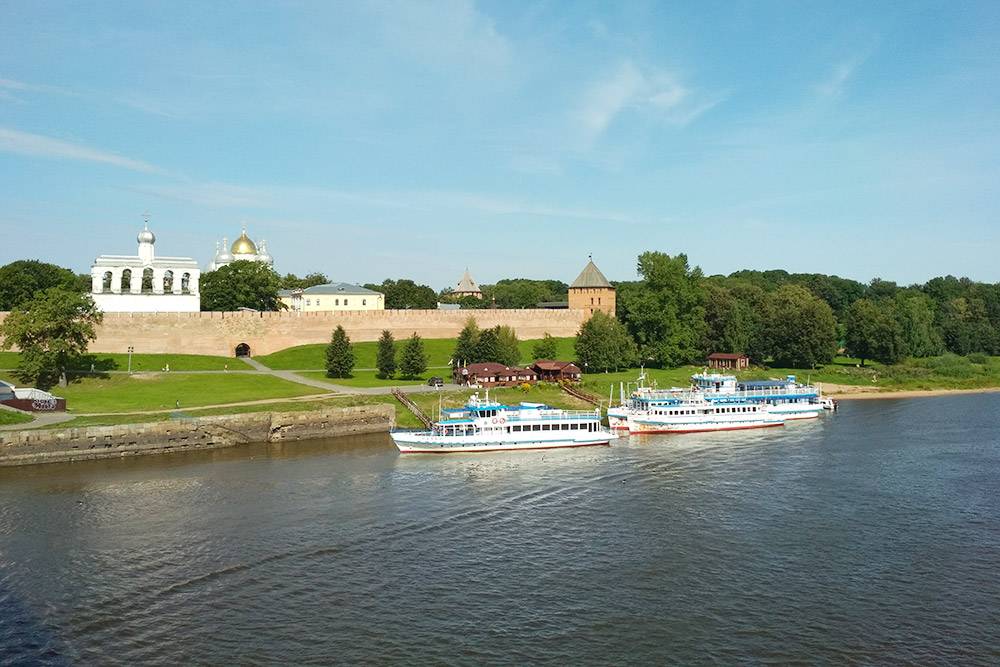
<point>41,419</point>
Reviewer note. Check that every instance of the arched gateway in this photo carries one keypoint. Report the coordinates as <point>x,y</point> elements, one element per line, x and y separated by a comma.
<point>242,350</point>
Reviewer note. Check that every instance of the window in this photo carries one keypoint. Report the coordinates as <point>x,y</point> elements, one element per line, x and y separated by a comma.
<point>536,427</point>
<point>364,302</point>
<point>317,302</point>
<point>336,302</point>
<point>345,302</point>
<point>308,302</point>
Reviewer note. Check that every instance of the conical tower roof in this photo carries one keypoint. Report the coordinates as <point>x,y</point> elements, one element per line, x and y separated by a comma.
<point>467,284</point>
<point>590,277</point>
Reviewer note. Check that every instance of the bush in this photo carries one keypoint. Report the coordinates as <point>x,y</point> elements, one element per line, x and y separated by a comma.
<point>979,358</point>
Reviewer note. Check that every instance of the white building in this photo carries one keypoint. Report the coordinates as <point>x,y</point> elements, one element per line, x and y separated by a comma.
<point>242,248</point>
<point>144,283</point>
<point>332,297</point>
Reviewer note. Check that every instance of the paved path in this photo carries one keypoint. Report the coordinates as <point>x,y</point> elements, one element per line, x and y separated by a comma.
<point>293,376</point>
<point>41,419</point>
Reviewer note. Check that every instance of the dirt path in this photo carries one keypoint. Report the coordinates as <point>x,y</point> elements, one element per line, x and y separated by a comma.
<point>849,392</point>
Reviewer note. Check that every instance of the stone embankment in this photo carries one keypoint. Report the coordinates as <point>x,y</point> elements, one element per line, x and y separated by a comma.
<point>100,442</point>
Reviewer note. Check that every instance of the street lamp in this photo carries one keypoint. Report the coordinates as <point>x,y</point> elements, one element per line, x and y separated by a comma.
<point>130,351</point>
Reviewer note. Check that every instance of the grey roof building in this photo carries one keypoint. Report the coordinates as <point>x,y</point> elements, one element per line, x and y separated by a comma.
<point>332,296</point>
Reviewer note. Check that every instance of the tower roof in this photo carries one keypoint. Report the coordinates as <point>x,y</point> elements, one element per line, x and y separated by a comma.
<point>243,245</point>
<point>467,284</point>
<point>591,276</point>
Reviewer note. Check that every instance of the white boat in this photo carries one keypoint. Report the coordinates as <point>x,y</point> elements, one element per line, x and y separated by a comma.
<point>695,415</point>
<point>487,426</point>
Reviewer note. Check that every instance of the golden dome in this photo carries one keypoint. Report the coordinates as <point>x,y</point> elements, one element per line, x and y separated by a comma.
<point>243,245</point>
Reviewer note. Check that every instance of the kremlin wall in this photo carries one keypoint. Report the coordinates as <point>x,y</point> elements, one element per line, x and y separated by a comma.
<point>219,334</point>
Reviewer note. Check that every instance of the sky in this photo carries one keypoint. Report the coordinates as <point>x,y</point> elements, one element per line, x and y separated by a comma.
<point>375,139</point>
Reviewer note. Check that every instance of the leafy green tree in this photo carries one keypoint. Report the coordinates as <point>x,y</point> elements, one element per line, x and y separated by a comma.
<point>20,281</point>
<point>292,281</point>
<point>523,292</point>
<point>730,322</point>
<point>405,294</point>
<point>241,284</point>
<point>385,356</point>
<point>873,333</point>
<point>915,313</point>
<point>414,360</point>
<point>339,355</point>
<point>546,348</point>
<point>665,313</point>
<point>509,346</point>
<point>52,331</point>
<point>488,347</point>
<point>603,344</point>
<point>799,328</point>
<point>465,346</point>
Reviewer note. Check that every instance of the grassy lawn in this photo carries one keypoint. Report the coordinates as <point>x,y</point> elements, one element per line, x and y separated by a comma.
<point>143,362</point>
<point>368,379</point>
<point>439,351</point>
<point>10,417</point>
<point>123,393</point>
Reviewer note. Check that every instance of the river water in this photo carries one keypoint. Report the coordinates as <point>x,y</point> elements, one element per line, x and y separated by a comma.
<point>868,536</point>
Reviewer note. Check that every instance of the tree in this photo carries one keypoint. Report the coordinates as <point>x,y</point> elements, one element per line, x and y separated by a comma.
<point>241,284</point>
<point>385,357</point>
<point>798,329</point>
<point>406,294</point>
<point>51,330</point>
<point>292,281</point>
<point>729,321</point>
<point>414,361</point>
<point>873,333</point>
<point>509,346</point>
<point>603,344</point>
<point>546,348</point>
<point>665,313</point>
<point>339,355</point>
<point>488,346</point>
<point>915,313</point>
<point>465,346</point>
<point>22,280</point>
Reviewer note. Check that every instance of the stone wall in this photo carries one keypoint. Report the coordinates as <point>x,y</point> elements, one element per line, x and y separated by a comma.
<point>220,333</point>
<point>101,442</point>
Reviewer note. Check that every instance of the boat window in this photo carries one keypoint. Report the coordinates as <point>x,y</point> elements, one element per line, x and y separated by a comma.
<point>536,427</point>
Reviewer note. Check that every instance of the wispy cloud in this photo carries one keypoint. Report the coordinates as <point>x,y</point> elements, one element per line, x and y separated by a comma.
<point>833,85</point>
<point>656,92</point>
<point>37,145</point>
<point>12,84</point>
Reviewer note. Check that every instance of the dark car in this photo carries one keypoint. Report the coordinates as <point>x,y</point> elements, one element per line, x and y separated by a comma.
<point>435,382</point>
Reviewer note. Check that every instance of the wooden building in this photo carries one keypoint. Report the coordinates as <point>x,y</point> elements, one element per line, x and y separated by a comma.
<point>491,374</point>
<point>728,360</point>
<point>557,371</point>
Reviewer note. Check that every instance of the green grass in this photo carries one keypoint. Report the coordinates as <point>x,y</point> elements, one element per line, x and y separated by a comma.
<point>368,379</point>
<point>123,393</point>
<point>8,417</point>
<point>142,362</point>
<point>439,351</point>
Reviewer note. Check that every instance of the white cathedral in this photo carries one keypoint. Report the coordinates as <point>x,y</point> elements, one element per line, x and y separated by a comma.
<point>145,283</point>
<point>242,248</point>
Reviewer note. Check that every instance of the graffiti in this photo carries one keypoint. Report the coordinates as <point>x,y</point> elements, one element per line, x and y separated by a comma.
<point>43,404</point>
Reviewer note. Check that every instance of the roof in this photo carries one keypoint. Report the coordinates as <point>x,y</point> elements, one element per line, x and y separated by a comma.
<point>726,355</point>
<point>339,289</point>
<point>492,368</point>
<point>135,261</point>
<point>467,284</point>
<point>591,276</point>
<point>549,365</point>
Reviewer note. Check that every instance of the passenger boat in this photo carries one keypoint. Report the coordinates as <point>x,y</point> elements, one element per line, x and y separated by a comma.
<point>483,425</point>
<point>785,397</point>
<point>695,415</point>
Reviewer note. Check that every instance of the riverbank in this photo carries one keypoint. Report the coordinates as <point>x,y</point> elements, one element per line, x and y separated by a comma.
<point>210,432</point>
<point>852,392</point>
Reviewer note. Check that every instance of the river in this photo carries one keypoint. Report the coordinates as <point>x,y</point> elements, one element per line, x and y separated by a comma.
<point>869,536</point>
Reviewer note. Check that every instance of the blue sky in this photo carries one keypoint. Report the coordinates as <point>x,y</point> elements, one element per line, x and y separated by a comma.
<point>387,139</point>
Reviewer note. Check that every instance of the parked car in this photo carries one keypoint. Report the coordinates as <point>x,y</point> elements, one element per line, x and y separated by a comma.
<point>435,382</point>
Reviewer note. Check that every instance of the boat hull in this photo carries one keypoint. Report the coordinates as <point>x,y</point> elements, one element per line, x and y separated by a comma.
<point>405,447</point>
<point>647,428</point>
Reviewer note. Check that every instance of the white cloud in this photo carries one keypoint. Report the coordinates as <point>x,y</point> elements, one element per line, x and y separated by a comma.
<point>37,145</point>
<point>658,93</point>
<point>833,85</point>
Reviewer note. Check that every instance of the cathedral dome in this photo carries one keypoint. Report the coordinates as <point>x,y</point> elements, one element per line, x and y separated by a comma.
<point>223,256</point>
<point>264,255</point>
<point>243,245</point>
<point>146,236</point>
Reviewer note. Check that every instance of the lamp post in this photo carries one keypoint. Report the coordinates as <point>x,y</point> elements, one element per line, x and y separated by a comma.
<point>130,350</point>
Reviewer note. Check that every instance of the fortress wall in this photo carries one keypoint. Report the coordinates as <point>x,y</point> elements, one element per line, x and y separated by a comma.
<point>266,332</point>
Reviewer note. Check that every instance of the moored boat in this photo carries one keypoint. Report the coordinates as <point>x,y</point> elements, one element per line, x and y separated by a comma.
<point>487,426</point>
<point>695,415</point>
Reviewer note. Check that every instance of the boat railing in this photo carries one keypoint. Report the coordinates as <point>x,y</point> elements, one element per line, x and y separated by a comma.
<point>555,416</point>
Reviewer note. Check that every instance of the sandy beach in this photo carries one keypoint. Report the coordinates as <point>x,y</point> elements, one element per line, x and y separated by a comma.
<point>861,392</point>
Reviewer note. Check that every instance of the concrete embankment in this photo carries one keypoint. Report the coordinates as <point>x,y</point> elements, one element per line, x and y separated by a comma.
<point>100,442</point>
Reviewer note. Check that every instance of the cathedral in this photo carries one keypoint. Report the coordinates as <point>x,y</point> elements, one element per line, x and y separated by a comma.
<point>242,248</point>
